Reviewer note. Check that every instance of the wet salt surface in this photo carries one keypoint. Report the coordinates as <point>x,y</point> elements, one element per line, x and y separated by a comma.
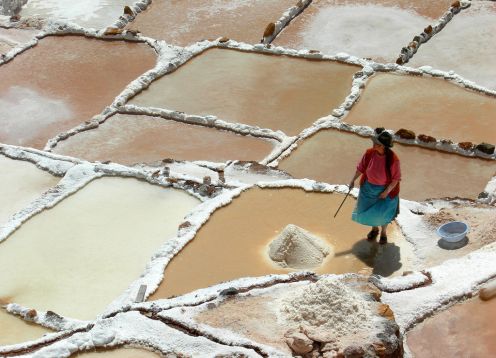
<point>274,92</point>
<point>377,29</point>
<point>21,183</point>
<point>464,330</point>
<point>129,139</point>
<point>465,46</point>
<point>427,106</point>
<point>87,13</point>
<point>234,242</point>
<point>118,353</point>
<point>425,173</point>
<point>10,38</point>
<point>84,252</point>
<point>14,330</point>
<point>62,82</point>
<point>186,22</point>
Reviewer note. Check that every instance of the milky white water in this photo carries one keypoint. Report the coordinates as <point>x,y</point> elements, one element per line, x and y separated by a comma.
<point>15,330</point>
<point>77,257</point>
<point>20,183</point>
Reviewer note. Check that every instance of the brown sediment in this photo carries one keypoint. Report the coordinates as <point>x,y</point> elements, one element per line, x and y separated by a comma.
<point>62,82</point>
<point>466,329</point>
<point>426,173</point>
<point>429,106</point>
<point>234,242</point>
<point>130,139</point>
<point>15,330</point>
<point>94,242</point>
<point>186,22</point>
<point>20,183</point>
<point>118,353</point>
<point>276,92</point>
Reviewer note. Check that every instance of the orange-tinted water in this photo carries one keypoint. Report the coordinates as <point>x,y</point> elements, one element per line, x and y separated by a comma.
<point>14,330</point>
<point>132,139</point>
<point>274,92</point>
<point>425,173</point>
<point>62,82</point>
<point>427,106</point>
<point>234,242</point>
<point>186,22</point>
<point>464,330</point>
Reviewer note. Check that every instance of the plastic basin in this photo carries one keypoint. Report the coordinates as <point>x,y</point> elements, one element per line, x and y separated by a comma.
<point>453,231</point>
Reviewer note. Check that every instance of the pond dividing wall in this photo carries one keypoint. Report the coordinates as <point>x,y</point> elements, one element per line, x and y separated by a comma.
<point>15,330</point>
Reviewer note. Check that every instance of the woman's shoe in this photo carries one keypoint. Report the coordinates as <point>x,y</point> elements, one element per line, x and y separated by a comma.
<point>383,239</point>
<point>372,235</point>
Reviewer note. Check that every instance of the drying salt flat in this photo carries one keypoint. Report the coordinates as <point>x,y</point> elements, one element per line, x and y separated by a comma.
<point>171,173</point>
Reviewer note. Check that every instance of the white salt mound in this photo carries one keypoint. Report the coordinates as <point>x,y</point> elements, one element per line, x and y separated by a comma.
<point>298,249</point>
<point>329,304</point>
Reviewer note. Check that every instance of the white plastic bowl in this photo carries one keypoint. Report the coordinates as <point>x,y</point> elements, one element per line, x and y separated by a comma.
<point>453,231</point>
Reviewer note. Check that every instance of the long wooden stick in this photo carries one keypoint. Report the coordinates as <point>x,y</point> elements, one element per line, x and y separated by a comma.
<point>342,202</point>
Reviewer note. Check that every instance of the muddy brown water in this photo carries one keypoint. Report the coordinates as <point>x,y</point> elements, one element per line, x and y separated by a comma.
<point>80,255</point>
<point>62,82</point>
<point>186,22</point>
<point>268,91</point>
<point>21,183</point>
<point>234,242</point>
<point>130,139</point>
<point>427,106</point>
<point>118,353</point>
<point>14,330</point>
<point>464,330</point>
<point>425,173</point>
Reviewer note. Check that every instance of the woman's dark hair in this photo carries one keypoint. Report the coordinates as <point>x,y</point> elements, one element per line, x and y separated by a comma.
<point>389,161</point>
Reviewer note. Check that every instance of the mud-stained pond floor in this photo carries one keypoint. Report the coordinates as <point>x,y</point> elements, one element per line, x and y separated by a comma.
<point>14,330</point>
<point>130,139</point>
<point>276,92</point>
<point>77,257</point>
<point>234,242</point>
<point>21,183</point>
<point>425,173</point>
<point>62,82</point>
<point>427,106</point>
<point>186,22</point>
<point>377,29</point>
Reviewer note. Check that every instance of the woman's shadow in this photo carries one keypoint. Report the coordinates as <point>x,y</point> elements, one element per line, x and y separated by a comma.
<point>384,259</point>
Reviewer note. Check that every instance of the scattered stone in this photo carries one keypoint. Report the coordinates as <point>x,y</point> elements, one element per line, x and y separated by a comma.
<point>385,311</point>
<point>354,352</point>
<point>298,342</point>
<point>456,4</point>
<point>399,61</point>
<point>231,291</point>
<point>166,171</point>
<point>466,145</point>
<point>211,305</point>
<point>184,225</point>
<point>111,31</point>
<point>128,11</point>
<point>269,30</point>
<point>222,177</point>
<point>485,148</point>
<point>155,174</point>
<point>314,51</point>
<point>428,30</point>
<point>31,315</point>
<point>405,133</point>
<point>426,138</point>
<point>207,180</point>
<point>223,39</point>
<point>483,195</point>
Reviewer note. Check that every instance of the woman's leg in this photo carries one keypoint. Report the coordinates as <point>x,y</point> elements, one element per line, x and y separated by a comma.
<point>383,238</point>
<point>372,235</point>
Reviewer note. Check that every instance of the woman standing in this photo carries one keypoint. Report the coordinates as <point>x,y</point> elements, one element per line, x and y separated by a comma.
<point>378,201</point>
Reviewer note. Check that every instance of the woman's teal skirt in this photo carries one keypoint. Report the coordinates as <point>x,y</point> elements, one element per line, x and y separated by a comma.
<point>371,210</point>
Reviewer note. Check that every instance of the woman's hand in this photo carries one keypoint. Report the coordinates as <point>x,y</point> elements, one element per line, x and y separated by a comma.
<point>384,194</point>
<point>351,184</point>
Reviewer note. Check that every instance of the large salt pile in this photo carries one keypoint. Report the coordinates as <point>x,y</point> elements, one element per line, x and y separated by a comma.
<point>297,248</point>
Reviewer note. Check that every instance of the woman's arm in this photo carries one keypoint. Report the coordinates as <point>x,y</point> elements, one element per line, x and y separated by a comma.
<point>352,182</point>
<point>388,189</point>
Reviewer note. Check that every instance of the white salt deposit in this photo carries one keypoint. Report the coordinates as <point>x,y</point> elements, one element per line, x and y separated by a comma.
<point>298,248</point>
<point>330,304</point>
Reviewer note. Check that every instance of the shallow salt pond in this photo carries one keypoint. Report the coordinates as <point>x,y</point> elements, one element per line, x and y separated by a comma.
<point>21,182</point>
<point>234,242</point>
<point>10,38</point>
<point>465,46</point>
<point>14,330</point>
<point>376,29</point>
<point>118,353</point>
<point>62,82</point>
<point>268,91</point>
<point>427,106</point>
<point>130,139</point>
<point>83,253</point>
<point>464,330</point>
<point>425,173</point>
<point>186,22</point>
<point>87,13</point>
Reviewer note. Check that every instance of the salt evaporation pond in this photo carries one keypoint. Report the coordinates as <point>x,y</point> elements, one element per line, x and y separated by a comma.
<point>465,46</point>
<point>234,242</point>
<point>62,82</point>
<point>425,172</point>
<point>464,330</point>
<point>276,92</point>
<point>87,13</point>
<point>427,106</point>
<point>11,38</point>
<point>186,22</point>
<point>21,183</point>
<point>15,330</point>
<point>377,29</point>
<point>130,139</point>
<point>83,253</point>
<point>118,353</point>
